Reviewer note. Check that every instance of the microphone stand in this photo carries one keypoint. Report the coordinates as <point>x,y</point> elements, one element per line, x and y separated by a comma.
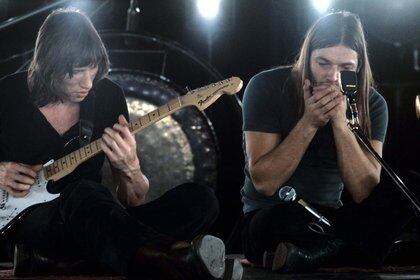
<point>354,126</point>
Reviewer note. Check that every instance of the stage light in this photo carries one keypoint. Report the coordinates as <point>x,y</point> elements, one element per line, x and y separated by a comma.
<point>81,5</point>
<point>321,5</point>
<point>209,9</point>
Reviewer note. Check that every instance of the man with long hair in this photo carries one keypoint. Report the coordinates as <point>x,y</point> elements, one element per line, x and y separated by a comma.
<point>296,134</point>
<point>41,113</point>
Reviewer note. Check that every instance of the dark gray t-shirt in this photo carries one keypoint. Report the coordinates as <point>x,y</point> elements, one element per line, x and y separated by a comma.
<point>269,106</point>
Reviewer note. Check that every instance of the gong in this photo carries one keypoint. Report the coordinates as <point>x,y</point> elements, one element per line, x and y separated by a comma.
<point>177,149</point>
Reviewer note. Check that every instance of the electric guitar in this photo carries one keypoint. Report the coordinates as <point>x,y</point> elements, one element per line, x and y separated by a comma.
<point>13,208</point>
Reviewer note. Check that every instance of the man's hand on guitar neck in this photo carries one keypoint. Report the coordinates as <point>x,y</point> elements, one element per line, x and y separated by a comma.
<point>17,178</point>
<point>121,149</point>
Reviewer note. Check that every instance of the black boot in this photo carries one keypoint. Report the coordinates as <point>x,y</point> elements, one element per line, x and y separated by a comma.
<point>30,262</point>
<point>289,258</point>
<point>164,258</point>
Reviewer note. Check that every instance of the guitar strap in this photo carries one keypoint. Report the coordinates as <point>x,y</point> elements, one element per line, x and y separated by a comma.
<point>87,115</point>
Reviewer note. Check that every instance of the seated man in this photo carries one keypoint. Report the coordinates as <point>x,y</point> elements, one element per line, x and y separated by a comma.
<point>296,134</point>
<point>40,113</point>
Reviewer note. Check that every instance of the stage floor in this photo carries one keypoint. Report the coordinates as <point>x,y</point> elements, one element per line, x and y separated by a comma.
<point>250,273</point>
<point>254,274</point>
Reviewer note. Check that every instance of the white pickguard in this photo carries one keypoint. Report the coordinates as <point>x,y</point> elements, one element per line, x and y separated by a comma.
<point>10,206</point>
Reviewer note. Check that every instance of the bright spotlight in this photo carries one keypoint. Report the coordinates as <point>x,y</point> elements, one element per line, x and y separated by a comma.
<point>321,5</point>
<point>209,9</point>
<point>80,4</point>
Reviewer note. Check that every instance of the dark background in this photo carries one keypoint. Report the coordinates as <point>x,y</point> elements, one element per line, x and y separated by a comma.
<point>252,35</point>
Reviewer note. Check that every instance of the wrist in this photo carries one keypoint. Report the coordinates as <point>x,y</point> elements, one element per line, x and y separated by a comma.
<point>132,169</point>
<point>339,124</point>
<point>307,126</point>
<point>134,176</point>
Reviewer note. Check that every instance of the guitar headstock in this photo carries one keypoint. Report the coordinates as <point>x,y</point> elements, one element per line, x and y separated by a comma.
<point>205,96</point>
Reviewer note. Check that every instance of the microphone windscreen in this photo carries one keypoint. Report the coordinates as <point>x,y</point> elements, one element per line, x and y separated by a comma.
<point>287,194</point>
<point>348,81</point>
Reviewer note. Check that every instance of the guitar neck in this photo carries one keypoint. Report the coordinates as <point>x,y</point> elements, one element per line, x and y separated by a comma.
<point>65,165</point>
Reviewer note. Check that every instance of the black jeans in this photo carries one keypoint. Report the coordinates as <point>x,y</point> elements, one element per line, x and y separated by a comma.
<point>369,227</point>
<point>86,222</point>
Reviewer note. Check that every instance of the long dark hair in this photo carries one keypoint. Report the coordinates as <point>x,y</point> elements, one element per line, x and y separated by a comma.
<point>340,28</point>
<point>66,39</point>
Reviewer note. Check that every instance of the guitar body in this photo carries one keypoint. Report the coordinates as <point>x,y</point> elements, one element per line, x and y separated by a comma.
<point>13,208</point>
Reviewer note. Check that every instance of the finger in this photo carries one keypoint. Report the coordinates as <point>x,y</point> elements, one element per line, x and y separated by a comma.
<point>333,111</point>
<point>122,129</point>
<point>112,136</point>
<point>326,98</point>
<point>37,167</point>
<point>122,144</point>
<point>331,105</point>
<point>325,89</point>
<point>122,120</point>
<point>119,151</point>
<point>110,132</point>
<point>109,153</point>
<point>24,169</point>
<point>19,186</point>
<point>306,89</point>
<point>16,193</point>
<point>321,92</point>
<point>116,132</point>
<point>125,133</point>
<point>110,142</point>
<point>20,178</point>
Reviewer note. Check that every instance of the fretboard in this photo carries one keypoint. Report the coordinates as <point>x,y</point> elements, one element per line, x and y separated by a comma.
<point>65,165</point>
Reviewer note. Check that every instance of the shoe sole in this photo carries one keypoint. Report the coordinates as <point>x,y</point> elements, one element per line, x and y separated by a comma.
<point>276,261</point>
<point>211,252</point>
<point>234,270</point>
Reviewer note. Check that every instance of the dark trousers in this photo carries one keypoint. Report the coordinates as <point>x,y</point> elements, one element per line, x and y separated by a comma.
<point>369,227</point>
<point>86,222</point>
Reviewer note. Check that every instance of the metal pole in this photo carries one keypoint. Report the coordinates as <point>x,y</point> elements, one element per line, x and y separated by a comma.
<point>18,19</point>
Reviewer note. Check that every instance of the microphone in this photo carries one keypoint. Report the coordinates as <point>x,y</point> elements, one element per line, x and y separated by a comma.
<point>348,84</point>
<point>133,17</point>
<point>132,22</point>
<point>288,194</point>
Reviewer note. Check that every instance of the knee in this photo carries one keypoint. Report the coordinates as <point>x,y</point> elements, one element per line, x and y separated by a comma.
<point>283,220</point>
<point>82,192</point>
<point>86,189</point>
<point>256,229</point>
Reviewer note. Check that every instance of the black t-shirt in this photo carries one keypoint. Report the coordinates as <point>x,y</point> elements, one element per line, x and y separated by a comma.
<point>269,105</point>
<point>27,137</point>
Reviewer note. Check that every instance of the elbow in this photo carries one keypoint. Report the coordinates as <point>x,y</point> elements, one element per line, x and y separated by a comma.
<point>358,198</point>
<point>366,187</point>
<point>262,185</point>
<point>136,202</point>
<point>265,189</point>
<point>133,201</point>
